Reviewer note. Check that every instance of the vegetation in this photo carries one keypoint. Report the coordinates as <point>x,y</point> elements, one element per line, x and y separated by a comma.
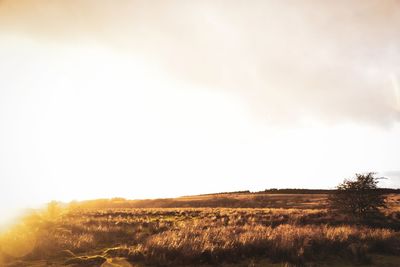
<point>359,197</point>
<point>78,235</point>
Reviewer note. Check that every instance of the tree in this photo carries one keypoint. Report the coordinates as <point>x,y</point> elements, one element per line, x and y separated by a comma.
<point>359,196</point>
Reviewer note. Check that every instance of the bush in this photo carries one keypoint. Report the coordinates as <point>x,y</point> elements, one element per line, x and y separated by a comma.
<point>359,197</point>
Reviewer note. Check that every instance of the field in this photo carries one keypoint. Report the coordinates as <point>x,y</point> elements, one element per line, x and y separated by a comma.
<point>211,230</point>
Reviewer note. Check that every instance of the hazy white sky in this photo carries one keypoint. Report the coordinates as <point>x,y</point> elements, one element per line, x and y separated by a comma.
<point>165,98</point>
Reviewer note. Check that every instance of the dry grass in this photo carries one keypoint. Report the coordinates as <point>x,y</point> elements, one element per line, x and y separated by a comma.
<point>296,244</point>
<point>193,236</point>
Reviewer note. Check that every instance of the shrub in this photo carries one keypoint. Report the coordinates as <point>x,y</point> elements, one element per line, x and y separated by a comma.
<point>359,197</point>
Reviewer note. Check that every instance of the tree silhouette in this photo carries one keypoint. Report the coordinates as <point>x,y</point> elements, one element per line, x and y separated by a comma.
<point>360,197</point>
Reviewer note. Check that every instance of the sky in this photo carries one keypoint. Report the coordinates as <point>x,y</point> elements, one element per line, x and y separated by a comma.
<point>145,99</point>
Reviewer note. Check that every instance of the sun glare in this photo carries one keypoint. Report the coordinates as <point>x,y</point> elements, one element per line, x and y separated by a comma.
<point>182,133</point>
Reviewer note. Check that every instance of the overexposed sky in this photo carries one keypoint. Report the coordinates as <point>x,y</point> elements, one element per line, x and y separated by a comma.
<point>143,99</point>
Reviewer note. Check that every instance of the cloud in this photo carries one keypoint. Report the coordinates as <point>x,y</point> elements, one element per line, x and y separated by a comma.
<point>392,174</point>
<point>393,179</point>
<point>288,60</point>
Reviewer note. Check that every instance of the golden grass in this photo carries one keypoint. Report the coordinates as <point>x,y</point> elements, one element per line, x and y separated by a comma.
<point>193,236</point>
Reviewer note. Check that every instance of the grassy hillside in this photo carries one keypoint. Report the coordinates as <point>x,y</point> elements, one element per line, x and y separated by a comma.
<point>296,230</point>
<point>231,200</point>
